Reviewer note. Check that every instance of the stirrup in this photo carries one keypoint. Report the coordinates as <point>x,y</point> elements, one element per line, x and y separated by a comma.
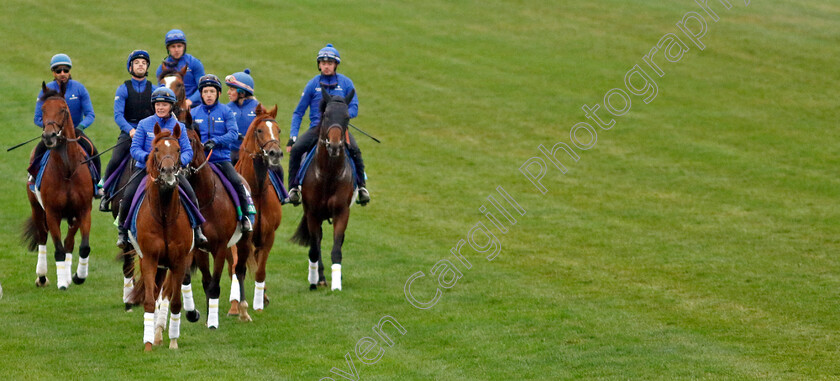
<point>122,238</point>
<point>294,196</point>
<point>105,205</point>
<point>200,239</point>
<point>246,225</point>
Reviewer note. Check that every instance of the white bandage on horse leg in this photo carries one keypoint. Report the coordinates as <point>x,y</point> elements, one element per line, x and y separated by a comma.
<point>313,272</point>
<point>213,314</point>
<point>41,267</point>
<point>189,303</point>
<point>148,327</point>
<point>174,326</point>
<point>128,287</point>
<point>336,276</point>
<point>234,288</point>
<point>161,313</point>
<point>82,270</point>
<point>60,274</point>
<point>259,293</point>
<point>68,268</point>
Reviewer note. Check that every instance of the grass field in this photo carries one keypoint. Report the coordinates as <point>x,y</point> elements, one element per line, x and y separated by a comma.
<point>697,238</point>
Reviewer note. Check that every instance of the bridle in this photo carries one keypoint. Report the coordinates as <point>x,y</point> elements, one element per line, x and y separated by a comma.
<point>261,146</point>
<point>167,156</point>
<point>63,117</point>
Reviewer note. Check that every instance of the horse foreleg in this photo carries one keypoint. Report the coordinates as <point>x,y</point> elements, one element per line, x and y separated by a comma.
<point>162,305</point>
<point>40,227</point>
<point>315,235</point>
<point>128,276</point>
<point>148,270</point>
<point>61,270</point>
<point>260,297</point>
<point>178,272</point>
<point>84,251</point>
<point>231,257</point>
<point>339,226</point>
<point>187,295</point>
<point>214,291</point>
<point>245,250</point>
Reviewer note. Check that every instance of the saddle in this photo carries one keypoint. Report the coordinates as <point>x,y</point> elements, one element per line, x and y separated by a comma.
<point>193,213</point>
<point>233,194</point>
<point>308,160</point>
<point>35,186</point>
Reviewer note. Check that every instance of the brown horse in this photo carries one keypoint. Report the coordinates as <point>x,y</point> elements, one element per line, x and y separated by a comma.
<point>173,79</point>
<point>260,152</point>
<point>66,194</point>
<point>127,253</point>
<point>164,239</point>
<point>220,228</point>
<point>327,189</point>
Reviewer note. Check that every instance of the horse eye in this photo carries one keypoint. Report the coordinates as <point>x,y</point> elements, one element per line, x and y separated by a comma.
<point>156,149</point>
<point>259,130</point>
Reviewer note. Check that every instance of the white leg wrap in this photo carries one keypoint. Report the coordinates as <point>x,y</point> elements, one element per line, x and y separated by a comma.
<point>128,287</point>
<point>82,270</point>
<point>148,327</point>
<point>336,276</point>
<point>313,272</point>
<point>174,326</point>
<point>234,288</point>
<point>41,267</point>
<point>259,292</point>
<point>60,274</point>
<point>213,314</point>
<point>68,267</point>
<point>161,313</point>
<point>189,303</point>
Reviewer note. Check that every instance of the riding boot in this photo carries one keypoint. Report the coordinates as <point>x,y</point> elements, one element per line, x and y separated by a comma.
<point>246,225</point>
<point>122,237</point>
<point>364,196</point>
<point>200,239</point>
<point>105,204</point>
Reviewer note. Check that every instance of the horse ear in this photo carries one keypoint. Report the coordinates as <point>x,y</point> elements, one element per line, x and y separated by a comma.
<point>325,98</point>
<point>177,132</point>
<point>62,88</point>
<point>184,71</point>
<point>273,112</point>
<point>350,96</point>
<point>157,128</point>
<point>259,109</point>
<point>43,87</point>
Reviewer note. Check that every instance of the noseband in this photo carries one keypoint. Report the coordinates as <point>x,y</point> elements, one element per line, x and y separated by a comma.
<point>167,156</point>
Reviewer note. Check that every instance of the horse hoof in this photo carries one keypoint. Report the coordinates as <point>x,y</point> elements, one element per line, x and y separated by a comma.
<point>63,288</point>
<point>128,307</point>
<point>313,287</point>
<point>193,316</point>
<point>148,347</point>
<point>234,308</point>
<point>323,283</point>
<point>158,335</point>
<point>212,327</point>
<point>42,281</point>
<point>173,344</point>
<point>78,280</point>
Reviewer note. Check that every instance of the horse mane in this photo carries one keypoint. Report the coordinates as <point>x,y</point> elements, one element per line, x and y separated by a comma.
<point>168,70</point>
<point>49,93</point>
<point>250,140</point>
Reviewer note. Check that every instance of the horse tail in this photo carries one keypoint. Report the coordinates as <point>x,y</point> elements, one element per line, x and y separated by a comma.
<point>301,236</point>
<point>30,234</point>
<point>138,295</point>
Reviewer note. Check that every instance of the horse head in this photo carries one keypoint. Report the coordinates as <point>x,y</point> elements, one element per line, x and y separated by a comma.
<point>56,116</point>
<point>164,160</point>
<point>173,79</point>
<point>334,120</point>
<point>198,149</point>
<point>262,137</point>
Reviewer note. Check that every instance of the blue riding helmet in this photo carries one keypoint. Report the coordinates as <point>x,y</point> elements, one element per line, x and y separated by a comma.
<point>242,81</point>
<point>60,59</point>
<point>329,53</point>
<point>209,80</point>
<point>163,94</point>
<point>135,55</point>
<point>175,35</point>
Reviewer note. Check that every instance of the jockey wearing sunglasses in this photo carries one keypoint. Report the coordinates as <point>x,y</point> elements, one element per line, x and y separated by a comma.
<point>81,110</point>
<point>337,85</point>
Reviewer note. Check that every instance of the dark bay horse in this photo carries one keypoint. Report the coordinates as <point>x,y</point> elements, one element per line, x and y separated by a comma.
<point>66,194</point>
<point>126,253</point>
<point>221,229</point>
<point>164,239</point>
<point>260,153</point>
<point>327,189</point>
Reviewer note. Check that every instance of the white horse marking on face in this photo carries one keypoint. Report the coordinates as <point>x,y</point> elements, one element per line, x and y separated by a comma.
<point>270,129</point>
<point>169,80</point>
<point>166,142</point>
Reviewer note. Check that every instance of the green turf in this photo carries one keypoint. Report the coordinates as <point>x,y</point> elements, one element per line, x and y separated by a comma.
<point>696,240</point>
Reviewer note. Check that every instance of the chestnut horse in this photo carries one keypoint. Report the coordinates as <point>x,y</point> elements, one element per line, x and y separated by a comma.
<point>264,151</point>
<point>127,253</point>
<point>220,228</point>
<point>164,239</point>
<point>66,194</point>
<point>327,189</point>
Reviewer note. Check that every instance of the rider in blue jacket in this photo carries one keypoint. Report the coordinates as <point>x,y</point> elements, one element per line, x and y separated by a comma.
<point>336,84</point>
<point>242,104</point>
<point>176,48</point>
<point>132,104</point>
<point>81,110</point>
<point>141,145</point>
<point>218,131</point>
